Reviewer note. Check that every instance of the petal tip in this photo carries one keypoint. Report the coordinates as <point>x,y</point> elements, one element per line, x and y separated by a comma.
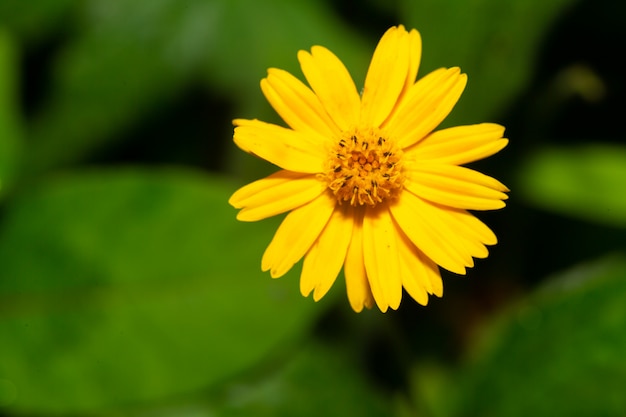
<point>277,273</point>
<point>244,216</point>
<point>242,122</point>
<point>233,201</point>
<point>318,294</point>
<point>305,291</point>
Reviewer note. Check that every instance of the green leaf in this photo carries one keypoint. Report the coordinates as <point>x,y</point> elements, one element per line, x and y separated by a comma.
<point>122,287</point>
<point>35,19</point>
<point>129,58</point>
<point>558,353</point>
<point>583,181</point>
<point>318,381</point>
<point>430,389</point>
<point>10,134</point>
<point>493,41</point>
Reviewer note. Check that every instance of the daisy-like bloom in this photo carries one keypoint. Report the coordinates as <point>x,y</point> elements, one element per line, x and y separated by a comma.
<point>367,183</point>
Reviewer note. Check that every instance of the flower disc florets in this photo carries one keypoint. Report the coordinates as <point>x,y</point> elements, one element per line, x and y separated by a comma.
<point>364,167</point>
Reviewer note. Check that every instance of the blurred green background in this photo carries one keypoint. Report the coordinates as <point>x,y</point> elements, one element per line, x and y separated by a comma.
<point>127,288</point>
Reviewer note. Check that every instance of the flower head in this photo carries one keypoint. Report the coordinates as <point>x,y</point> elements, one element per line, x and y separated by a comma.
<point>367,183</point>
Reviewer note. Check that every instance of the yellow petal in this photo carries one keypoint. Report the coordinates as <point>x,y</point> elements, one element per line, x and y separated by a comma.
<point>296,235</point>
<point>298,106</point>
<point>323,262</point>
<point>420,275</point>
<point>386,76</point>
<point>278,193</point>
<point>433,275</point>
<point>425,225</point>
<point>357,284</point>
<point>469,234</point>
<point>286,148</point>
<point>415,57</point>
<point>455,186</point>
<point>332,83</point>
<point>460,145</point>
<point>414,280</point>
<point>380,250</point>
<point>471,228</point>
<point>425,105</point>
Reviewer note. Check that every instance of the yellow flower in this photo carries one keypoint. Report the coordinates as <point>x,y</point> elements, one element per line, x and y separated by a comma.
<point>368,184</point>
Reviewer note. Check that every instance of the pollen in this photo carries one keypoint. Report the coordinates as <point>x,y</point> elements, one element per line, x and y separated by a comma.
<point>364,167</point>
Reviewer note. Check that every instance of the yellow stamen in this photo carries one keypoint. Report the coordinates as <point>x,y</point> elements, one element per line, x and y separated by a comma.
<point>364,168</point>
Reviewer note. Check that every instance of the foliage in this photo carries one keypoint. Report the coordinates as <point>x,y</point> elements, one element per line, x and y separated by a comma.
<point>579,181</point>
<point>127,287</point>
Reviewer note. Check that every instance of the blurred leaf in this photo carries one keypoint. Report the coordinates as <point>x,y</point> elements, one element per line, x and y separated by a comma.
<point>430,395</point>
<point>495,42</point>
<point>123,287</point>
<point>318,381</point>
<point>315,380</point>
<point>33,19</point>
<point>585,181</point>
<point>559,353</point>
<point>130,57</point>
<point>9,123</point>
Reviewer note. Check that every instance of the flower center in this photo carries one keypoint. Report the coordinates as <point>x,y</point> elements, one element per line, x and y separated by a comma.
<point>364,167</point>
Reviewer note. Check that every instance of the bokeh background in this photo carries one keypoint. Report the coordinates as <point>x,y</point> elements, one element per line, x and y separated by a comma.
<point>127,287</point>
